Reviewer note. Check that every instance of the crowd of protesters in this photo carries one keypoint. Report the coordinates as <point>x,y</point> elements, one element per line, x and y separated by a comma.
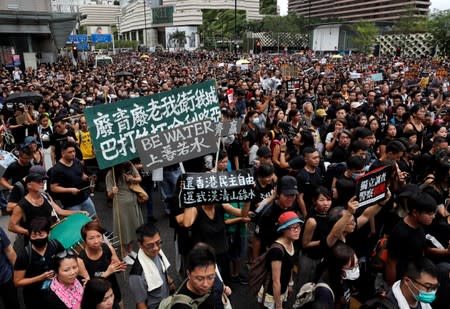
<point>308,137</point>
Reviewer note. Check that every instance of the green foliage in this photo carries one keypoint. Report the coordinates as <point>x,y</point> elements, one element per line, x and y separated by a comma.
<point>218,25</point>
<point>268,7</point>
<point>366,35</point>
<point>178,38</point>
<point>439,27</point>
<point>410,22</point>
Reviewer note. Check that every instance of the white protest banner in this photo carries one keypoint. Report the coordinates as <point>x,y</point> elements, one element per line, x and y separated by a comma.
<point>177,145</point>
<point>372,186</point>
<point>213,188</point>
<point>6,158</point>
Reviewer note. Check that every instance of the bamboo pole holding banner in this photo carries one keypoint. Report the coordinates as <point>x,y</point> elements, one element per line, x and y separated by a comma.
<point>117,210</point>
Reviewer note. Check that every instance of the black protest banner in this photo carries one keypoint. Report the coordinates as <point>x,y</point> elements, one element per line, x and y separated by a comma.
<point>292,84</point>
<point>182,143</point>
<point>213,188</point>
<point>372,186</point>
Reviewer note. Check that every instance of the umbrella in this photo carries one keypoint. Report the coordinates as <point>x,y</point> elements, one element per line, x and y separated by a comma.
<point>120,74</point>
<point>24,96</point>
<point>145,57</point>
<point>242,61</point>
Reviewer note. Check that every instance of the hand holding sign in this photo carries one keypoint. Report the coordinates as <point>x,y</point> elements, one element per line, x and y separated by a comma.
<point>352,205</point>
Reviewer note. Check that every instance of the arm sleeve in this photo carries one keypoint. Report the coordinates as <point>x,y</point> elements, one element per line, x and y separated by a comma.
<point>138,288</point>
<point>4,239</point>
<point>22,261</point>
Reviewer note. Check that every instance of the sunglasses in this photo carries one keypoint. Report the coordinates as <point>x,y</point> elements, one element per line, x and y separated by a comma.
<point>66,254</point>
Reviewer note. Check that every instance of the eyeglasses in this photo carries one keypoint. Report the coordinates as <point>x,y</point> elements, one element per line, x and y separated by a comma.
<point>152,245</point>
<point>428,288</point>
<point>65,254</point>
<point>294,227</point>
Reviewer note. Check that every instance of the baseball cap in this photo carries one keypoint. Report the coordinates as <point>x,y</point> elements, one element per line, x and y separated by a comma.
<point>38,169</point>
<point>35,177</point>
<point>321,112</point>
<point>287,219</point>
<point>288,185</point>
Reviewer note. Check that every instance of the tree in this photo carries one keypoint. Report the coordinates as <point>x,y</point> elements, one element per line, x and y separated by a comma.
<point>366,35</point>
<point>410,22</point>
<point>178,38</point>
<point>439,28</point>
<point>267,7</point>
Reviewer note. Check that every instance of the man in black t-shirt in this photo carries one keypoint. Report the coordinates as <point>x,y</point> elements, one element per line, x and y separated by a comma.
<point>201,273</point>
<point>407,240</point>
<point>70,183</point>
<point>17,170</point>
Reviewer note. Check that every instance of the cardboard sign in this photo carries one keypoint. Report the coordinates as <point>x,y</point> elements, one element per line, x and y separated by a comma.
<point>6,158</point>
<point>292,84</point>
<point>376,77</point>
<point>216,188</point>
<point>177,145</point>
<point>372,186</point>
<point>115,127</point>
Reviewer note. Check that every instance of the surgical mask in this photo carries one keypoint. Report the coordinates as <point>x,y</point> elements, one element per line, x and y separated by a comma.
<point>426,297</point>
<point>256,120</point>
<point>352,274</point>
<point>423,296</point>
<point>244,134</point>
<point>40,242</point>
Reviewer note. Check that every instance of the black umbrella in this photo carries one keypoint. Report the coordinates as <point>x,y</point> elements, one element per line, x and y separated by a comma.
<point>25,96</point>
<point>120,74</point>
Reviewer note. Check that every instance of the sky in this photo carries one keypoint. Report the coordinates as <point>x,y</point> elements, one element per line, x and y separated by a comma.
<point>435,4</point>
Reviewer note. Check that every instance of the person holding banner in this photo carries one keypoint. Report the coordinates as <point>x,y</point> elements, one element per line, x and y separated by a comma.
<point>208,225</point>
<point>127,214</point>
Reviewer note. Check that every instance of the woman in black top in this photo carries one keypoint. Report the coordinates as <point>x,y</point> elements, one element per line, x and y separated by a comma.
<point>98,294</point>
<point>33,267</point>
<point>100,259</point>
<point>34,204</point>
<point>280,260</point>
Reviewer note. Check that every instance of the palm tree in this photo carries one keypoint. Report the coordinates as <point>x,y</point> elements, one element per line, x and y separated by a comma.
<point>178,38</point>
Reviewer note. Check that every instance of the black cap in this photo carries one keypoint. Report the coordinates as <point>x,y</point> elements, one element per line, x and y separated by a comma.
<point>35,177</point>
<point>288,185</point>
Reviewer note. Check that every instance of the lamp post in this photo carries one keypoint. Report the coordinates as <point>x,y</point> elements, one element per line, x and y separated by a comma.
<point>345,40</point>
<point>145,23</point>
<point>235,27</point>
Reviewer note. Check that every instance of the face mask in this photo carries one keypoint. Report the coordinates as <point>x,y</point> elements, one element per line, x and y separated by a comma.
<point>424,297</point>
<point>244,134</point>
<point>40,242</point>
<point>352,274</point>
<point>256,120</point>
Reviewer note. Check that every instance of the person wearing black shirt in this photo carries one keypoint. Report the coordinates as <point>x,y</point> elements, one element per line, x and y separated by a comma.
<point>67,180</point>
<point>201,272</point>
<point>17,170</point>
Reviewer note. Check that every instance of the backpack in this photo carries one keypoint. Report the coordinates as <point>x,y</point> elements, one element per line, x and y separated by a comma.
<point>176,298</point>
<point>307,292</point>
<point>377,303</point>
<point>259,275</point>
<point>379,255</point>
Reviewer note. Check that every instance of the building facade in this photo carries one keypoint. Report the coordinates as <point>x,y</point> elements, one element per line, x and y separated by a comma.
<point>355,10</point>
<point>152,23</point>
<point>72,6</point>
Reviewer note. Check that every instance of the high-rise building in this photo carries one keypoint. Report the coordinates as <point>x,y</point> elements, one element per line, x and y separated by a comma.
<point>354,10</point>
<point>72,6</point>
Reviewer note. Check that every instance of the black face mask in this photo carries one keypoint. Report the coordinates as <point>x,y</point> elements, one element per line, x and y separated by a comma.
<point>40,242</point>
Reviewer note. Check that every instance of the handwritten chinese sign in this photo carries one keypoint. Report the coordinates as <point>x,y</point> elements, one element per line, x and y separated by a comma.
<point>176,145</point>
<point>372,186</point>
<point>115,127</point>
<point>212,188</point>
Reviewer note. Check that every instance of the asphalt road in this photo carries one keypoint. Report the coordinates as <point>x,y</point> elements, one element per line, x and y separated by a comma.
<point>239,298</point>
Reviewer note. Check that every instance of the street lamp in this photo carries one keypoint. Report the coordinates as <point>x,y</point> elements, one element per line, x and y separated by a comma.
<point>345,40</point>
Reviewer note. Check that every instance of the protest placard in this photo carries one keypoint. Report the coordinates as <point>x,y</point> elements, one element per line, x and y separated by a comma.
<point>292,84</point>
<point>376,77</point>
<point>228,128</point>
<point>6,158</point>
<point>372,186</point>
<point>213,188</point>
<point>115,127</point>
<point>176,145</point>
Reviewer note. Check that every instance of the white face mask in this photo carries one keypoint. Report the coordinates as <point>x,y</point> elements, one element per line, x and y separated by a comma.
<point>352,274</point>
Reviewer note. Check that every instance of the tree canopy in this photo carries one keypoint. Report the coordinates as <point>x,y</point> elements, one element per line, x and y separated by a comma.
<point>439,27</point>
<point>366,35</point>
